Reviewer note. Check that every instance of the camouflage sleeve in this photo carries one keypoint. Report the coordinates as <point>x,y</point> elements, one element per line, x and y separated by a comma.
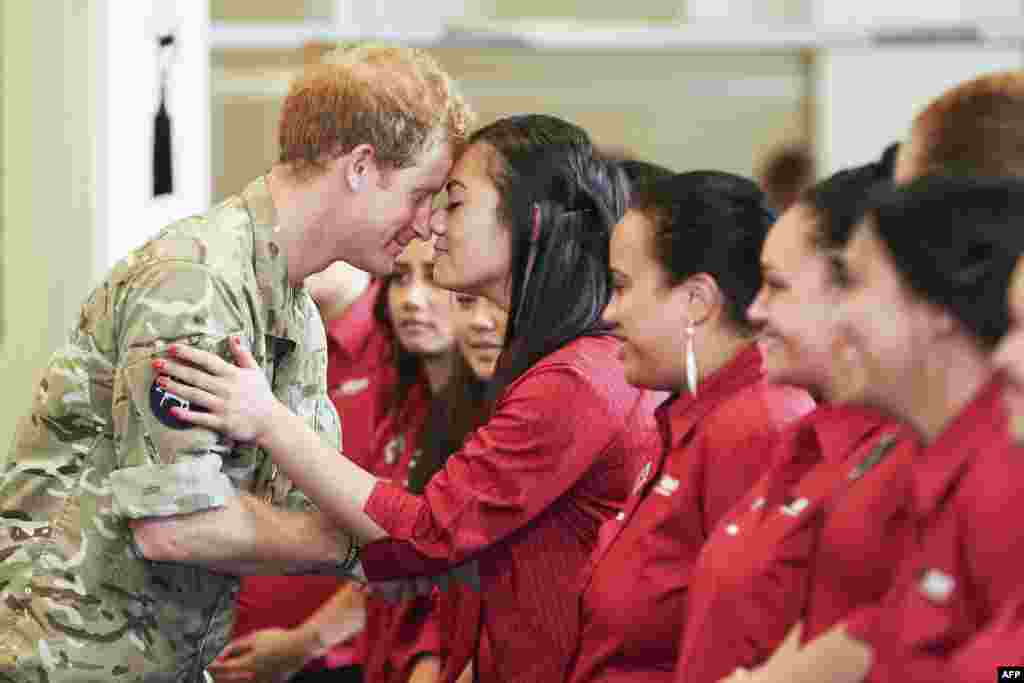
<point>164,466</point>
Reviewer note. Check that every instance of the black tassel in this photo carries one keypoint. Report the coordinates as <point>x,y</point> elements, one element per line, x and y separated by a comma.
<point>163,164</point>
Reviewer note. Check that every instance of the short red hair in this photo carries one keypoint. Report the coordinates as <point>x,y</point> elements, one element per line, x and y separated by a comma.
<point>976,128</point>
<point>397,99</point>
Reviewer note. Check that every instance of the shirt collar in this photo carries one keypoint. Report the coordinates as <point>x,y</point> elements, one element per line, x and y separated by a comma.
<point>839,429</point>
<point>283,302</point>
<point>681,412</point>
<point>982,424</point>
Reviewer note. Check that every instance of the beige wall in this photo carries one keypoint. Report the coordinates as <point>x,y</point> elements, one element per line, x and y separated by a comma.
<point>685,110</point>
<point>46,161</point>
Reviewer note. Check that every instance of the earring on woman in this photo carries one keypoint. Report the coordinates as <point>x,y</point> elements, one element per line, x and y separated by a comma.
<point>691,360</point>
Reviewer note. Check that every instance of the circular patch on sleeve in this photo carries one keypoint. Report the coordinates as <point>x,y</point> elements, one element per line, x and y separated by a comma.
<point>162,401</point>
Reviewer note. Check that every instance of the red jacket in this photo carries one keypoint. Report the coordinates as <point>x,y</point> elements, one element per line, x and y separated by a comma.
<point>715,445</point>
<point>396,634</point>
<point>524,498</point>
<point>817,536</point>
<point>359,373</point>
<point>1001,643</point>
<point>964,568</point>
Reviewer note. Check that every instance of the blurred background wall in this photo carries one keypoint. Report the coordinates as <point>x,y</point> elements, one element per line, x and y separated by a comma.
<point>687,83</point>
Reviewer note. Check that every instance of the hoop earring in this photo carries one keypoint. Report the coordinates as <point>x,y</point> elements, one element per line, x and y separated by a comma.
<point>691,360</point>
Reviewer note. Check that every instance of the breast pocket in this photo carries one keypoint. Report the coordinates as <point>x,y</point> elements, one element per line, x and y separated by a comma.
<point>933,617</point>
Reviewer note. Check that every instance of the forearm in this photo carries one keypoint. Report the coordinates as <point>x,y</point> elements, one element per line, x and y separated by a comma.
<point>338,486</point>
<point>427,669</point>
<point>244,536</point>
<point>339,618</point>
<point>834,656</point>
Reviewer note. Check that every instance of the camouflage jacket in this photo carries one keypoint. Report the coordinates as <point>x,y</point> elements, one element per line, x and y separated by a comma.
<point>100,446</point>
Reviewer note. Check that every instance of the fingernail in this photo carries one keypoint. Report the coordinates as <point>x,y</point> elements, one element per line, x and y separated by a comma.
<point>158,364</point>
<point>237,341</point>
<point>172,349</point>
<point>162,381</point>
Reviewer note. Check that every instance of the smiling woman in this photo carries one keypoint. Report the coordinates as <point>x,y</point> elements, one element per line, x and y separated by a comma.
<point>684,269</point>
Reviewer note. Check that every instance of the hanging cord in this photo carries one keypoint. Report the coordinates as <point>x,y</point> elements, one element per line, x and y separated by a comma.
<point>163,162</point>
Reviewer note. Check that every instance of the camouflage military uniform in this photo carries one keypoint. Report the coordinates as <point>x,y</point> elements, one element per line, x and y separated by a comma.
<point>100,446</point>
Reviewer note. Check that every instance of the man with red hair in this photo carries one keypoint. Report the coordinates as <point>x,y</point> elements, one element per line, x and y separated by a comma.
<point>367,140</point>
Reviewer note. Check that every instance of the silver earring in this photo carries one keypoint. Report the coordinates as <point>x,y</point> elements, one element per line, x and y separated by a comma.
<point>691,361</point>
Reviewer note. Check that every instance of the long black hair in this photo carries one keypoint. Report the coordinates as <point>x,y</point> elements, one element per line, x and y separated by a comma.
<point>559,282</point>
<point>408,366</point>
<point>955,242</point>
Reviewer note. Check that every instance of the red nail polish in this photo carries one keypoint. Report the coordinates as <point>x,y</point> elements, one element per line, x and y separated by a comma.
<point>158,364</point>
<point>172,349</point>
<point>162,381</point>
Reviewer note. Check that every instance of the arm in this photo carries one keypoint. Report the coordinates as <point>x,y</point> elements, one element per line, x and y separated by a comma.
<point>426,670</point>
<point>245,536</point>
<point>241,405</point>
<point>834,656</point>
<point>529,454</point>
<point>277,654</point>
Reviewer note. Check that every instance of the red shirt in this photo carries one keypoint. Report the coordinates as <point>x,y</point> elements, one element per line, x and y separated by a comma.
<point>1000,644</point>
<point>963,567</point>
<point>359,372</point>
<point>715,445</point>
<point>524,498</point>
<point>818,535</point>
<point>396,634</point>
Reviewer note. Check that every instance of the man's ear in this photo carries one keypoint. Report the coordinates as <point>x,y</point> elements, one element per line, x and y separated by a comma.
<point>360,166</point>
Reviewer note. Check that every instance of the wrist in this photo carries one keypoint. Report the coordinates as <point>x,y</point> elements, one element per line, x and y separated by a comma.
<point>275,415</point>
<point>307,642</point>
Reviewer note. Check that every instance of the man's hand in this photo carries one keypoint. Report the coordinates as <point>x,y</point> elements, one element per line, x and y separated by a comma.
<point>272,655</point>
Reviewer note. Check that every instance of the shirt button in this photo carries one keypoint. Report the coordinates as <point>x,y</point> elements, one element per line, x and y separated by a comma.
<point>799,504</point>
<point>621,516</point>
<point>732,529</point>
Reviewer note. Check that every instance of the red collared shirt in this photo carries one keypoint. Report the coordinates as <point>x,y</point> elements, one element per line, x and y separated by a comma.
<point>360,371</point>
<point>1000,644</point>
<point>396,634</point>
<point>964,564</point>
<point>817,536</point>
<point>524,498</point>
<point>715,445</point>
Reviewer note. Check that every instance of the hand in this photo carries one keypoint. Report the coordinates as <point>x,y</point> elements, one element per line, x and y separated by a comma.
<point>467,674</point>
<point>239,400</point>
<point>272,655</point>
<point>740,675</point>
<point>780,659</point>
<point>427,669</point>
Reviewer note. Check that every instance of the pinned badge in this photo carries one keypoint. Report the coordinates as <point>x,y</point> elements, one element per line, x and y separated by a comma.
<point>666,485</point>
<point>161,402</point>
<point>937,585</point>
<point>796,507</point>
<point>353,386</point>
